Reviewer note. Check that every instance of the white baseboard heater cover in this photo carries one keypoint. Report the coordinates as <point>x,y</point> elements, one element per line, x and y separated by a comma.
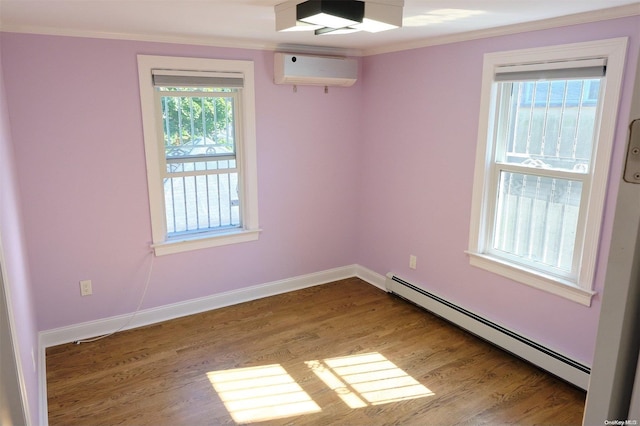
<point>533,352</point>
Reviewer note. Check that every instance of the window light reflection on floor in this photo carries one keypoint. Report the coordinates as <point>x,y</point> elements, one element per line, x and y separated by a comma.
<point>268,392</point>
<point>261,393</point>
<point>368,379</point>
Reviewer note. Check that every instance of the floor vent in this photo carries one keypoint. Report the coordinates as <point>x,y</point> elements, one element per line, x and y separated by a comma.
<point>533,352</point>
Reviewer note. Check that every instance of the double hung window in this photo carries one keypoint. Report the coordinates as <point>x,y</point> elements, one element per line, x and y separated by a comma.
<point>200,172</point>
<point>543,159</point>
<point>200,148</point>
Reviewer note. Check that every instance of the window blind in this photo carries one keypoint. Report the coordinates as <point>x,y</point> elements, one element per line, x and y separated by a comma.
<point>176,78</point>
<point>578,69</point>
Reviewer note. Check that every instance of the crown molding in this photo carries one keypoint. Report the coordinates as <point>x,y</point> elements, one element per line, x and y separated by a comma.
<point>188,40</point>
<point>154,38</point>
<point>562,21</point>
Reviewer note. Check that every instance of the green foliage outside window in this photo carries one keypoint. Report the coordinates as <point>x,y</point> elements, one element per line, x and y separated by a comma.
<point>197,119</point>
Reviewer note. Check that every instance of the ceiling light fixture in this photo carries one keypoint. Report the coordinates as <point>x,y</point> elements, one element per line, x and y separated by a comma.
<point>339,16</point>
<point>331,13</point>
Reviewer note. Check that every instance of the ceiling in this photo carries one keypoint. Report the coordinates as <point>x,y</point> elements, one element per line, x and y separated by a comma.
<point>251,23</point>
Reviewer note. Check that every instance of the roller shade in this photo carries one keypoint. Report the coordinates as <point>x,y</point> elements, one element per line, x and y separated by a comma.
<point>173,78</point>
<point>579,69</point>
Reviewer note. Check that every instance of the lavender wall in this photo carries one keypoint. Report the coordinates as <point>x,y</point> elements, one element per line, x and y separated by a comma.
<point>75,112</point>
<point>421,110</point>
<point>368,174</point>
<point>15,265</point>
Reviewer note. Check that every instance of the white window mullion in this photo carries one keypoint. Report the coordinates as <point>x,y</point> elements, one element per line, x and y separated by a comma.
<point>553,173</point>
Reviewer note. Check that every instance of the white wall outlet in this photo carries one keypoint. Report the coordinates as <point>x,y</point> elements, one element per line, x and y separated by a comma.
<point>85,288</point>
<point>412,261</point>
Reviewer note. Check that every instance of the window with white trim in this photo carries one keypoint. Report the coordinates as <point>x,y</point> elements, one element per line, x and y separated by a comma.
<point>544,147</point>
<point>199,131</point>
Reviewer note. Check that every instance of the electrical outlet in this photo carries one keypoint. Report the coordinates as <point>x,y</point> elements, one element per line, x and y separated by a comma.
<point>85,288</point>
<point>412,261</point>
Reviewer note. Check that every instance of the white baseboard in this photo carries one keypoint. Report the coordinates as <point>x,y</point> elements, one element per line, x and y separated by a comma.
<point>373,278</point>
<point>100,327</point>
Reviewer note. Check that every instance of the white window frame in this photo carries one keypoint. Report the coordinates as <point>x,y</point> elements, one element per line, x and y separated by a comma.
<point>155,155</point>
<point>580,289</point>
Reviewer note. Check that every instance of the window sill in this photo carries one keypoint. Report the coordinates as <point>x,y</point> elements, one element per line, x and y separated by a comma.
<point>205,241</point>
<point>548,283</point>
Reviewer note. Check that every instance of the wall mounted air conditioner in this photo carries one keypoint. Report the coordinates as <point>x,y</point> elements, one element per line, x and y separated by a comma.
<point>290,68</point>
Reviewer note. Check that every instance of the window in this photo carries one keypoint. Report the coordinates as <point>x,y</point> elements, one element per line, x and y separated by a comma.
<point>199,131</point>
<point>542,163</point>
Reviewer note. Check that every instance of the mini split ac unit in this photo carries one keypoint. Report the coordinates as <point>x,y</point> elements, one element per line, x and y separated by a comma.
<point>314,70</point>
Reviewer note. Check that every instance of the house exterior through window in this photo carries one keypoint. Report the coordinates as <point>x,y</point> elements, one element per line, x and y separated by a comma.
<point>198,117</point>
<point>542,163</point>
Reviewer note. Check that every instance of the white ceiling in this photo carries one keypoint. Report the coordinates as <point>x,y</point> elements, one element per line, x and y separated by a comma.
<point>251,23</point>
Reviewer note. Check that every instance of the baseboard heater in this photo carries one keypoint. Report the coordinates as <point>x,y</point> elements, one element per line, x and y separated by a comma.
<point>533,352</point>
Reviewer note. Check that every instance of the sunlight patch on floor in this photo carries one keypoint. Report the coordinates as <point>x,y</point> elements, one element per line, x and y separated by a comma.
<point>268,392</point>
<point>335,384</point>
<point>261,393</point>
<point>368,379</point>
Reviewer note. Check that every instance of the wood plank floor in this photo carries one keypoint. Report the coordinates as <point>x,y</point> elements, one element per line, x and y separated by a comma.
<point>343,353</point>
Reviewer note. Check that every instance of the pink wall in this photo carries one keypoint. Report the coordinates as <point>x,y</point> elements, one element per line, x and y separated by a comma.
<point>75,111</point>
<point>421,110</point>
<point>16,268</point>
<point>368,174</point>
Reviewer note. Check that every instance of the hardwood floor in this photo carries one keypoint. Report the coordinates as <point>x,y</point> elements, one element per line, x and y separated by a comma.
<point>343,353</point>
